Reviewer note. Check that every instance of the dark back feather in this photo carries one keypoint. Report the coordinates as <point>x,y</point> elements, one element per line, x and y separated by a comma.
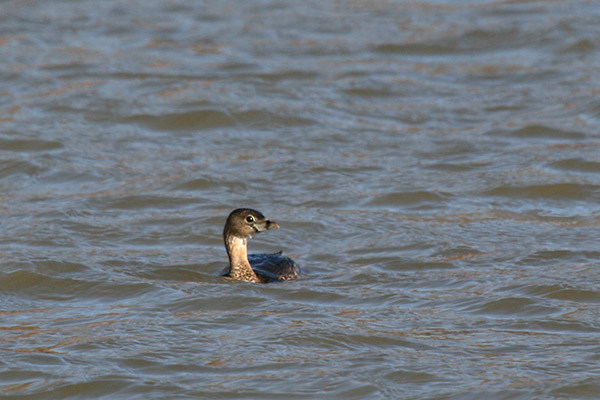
<point>273,267</point>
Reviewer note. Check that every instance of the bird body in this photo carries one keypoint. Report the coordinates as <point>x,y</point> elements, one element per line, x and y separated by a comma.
<point>240,226</point>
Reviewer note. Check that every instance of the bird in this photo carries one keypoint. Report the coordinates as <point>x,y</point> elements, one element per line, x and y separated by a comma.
<point>240,226</point>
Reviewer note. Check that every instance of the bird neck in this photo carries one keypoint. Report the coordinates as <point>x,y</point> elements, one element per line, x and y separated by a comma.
<point>239,266</point>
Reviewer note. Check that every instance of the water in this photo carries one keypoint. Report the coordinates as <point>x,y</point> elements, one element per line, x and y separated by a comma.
<point>434,166</point>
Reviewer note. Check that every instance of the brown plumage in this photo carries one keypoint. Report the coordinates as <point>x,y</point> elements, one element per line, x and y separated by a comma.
<point>239,227</point>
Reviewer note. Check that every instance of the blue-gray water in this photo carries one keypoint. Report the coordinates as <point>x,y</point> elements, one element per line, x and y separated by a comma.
<point>434,166</point>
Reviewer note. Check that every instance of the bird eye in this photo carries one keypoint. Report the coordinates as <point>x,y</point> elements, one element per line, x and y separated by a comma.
<point>250,218</point>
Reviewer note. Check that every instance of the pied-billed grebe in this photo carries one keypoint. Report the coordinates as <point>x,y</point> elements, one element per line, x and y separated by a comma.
<point>240,226</point>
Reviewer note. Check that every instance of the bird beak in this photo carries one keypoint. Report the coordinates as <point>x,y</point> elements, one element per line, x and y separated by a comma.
<point>272,225</point>
<point>265,225</point>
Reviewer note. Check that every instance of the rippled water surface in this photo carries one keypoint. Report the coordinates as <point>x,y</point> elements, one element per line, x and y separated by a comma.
<point>434,166</point>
